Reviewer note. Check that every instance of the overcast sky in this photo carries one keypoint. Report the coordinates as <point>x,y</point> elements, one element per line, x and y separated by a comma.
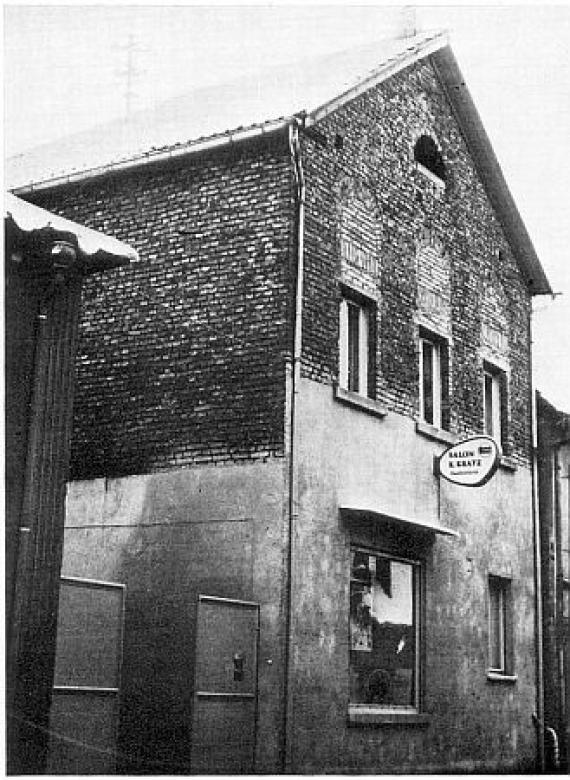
<point>65,69</point>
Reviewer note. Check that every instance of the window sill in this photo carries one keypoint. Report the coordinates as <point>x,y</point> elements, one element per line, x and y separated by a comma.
<point>439,183</point>
<point>434,433</point>
<point>368,405</point>
<point>371,716</point>
<point>507,463</point>
<point>501,678</point>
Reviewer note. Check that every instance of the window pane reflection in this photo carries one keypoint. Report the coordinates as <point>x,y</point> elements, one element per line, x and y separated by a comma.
<point>383,634</point>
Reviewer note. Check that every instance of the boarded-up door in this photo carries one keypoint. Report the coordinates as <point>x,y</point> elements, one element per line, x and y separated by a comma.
<point>85,700</point>
<point>225,691</point>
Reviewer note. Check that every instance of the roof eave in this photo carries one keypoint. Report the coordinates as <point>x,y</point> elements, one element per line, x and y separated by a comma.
<point>489,170</point>
<point>157,156</point>
<point>445,64</point>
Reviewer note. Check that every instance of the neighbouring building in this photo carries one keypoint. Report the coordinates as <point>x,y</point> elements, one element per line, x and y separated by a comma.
<point>333,287</point>
<point>554,509</point>
<point>47,259</point>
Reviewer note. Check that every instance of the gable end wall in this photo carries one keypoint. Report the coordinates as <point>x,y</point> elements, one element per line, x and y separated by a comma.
<point>378,131</point>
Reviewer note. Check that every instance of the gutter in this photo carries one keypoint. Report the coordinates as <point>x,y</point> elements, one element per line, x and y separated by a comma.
<point>429,44</point>
<point>293,505</point>
<point>145,158</point>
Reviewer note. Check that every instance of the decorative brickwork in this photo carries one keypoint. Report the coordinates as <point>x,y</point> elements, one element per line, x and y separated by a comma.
<point>185,361</point>
<point>480,283</point>
<point>182,356</point>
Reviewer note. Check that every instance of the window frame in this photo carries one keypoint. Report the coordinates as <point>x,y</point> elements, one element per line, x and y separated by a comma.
<point>417,567</point>
<point>495,391</point>
<point>429,159</point>
<point>363,384</point>
<point>500,588</point>
<point>440,379</point>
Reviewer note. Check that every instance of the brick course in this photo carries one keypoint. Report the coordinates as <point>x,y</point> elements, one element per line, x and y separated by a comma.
<point>183,360</point>
<point>182,355</point>
<point>378,130</point>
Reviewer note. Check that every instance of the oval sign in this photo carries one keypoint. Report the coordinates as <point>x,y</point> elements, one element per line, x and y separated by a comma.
<point>471,462</point>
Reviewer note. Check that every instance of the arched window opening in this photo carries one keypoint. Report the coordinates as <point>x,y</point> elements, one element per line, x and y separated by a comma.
<point>428,155</point>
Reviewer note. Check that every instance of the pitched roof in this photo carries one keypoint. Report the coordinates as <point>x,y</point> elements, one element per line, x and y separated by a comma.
<point>252,103</point>
<point>262,103</point>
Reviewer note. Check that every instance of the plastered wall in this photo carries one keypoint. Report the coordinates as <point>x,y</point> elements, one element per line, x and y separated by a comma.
<point>169,537</point>
<point>350,459</point>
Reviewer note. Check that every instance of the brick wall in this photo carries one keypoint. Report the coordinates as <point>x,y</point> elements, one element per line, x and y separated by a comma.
<point>368,146</point>
<point>182,355</point>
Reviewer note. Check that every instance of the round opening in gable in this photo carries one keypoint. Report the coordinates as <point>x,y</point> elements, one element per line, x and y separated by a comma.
<point>428,155</point>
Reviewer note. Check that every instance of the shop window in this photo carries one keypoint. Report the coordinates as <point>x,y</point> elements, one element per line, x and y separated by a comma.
<point>494,401</point>
<point>356,345</point>
<point>434,362</point>
<point>384,631</point>
<point>500,626</point>
<point>429,157</point>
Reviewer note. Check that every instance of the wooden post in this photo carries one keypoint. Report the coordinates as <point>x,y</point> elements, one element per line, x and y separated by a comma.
<point>38,542</point>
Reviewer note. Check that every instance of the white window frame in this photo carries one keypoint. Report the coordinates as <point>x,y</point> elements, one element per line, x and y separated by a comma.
<point>436,380</point>
<point>362,379</point>
<point>499,587</point>
<point>417,584</point>
<point>495,428</point>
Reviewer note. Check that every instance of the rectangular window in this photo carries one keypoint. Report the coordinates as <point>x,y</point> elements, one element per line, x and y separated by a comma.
<point>500,649</point>
<point>494,401</point>
<point>354,346</point>
<point>433,380</point>
<point>384,631</point>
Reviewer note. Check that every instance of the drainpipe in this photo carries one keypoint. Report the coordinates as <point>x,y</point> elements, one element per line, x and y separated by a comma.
<point>559,609</point>
<point>293,510</point>
<point>555,748</point>
<point>537,569</point>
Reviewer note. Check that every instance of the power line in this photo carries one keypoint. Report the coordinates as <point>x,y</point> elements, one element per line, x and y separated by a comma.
<point>131,71</point>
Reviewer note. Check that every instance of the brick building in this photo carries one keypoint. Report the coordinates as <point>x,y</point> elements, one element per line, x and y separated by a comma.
<point>323,304</point>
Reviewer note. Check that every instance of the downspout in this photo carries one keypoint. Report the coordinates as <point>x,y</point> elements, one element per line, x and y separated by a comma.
<point>537,569</point>
<point>555,747</point>
<point>293,507</point>
<point>558,608</point>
